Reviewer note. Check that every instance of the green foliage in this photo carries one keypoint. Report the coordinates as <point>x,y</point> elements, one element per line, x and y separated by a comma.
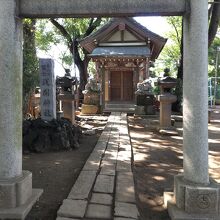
<point>30,61</point>
<point>47,35</point>
<point>213,56</point>
<point>156,90</point>
<point>170,55</point>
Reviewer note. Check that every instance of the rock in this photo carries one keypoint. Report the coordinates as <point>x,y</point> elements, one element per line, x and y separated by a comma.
<point>60,141</point>
<point>29,138</point>
<point>26,126</point>
<point>89,132</point>
<point>43,143</point>
<point>41,136</point>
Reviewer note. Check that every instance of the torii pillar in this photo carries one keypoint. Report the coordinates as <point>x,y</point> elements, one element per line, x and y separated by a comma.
<point>196,196</point>
<point>16,193</point>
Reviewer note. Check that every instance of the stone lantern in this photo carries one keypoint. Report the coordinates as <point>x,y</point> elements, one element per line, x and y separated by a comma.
<point>66,96</point>
<point>166,99</point>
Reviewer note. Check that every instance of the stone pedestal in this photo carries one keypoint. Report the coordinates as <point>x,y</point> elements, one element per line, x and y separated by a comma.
<point>17,196</point>
<point>144,104</point>
<point>91,103</point>
<point>60,114</point>
<point>139,110</point>
<point>69,110</point>
<point>89,109</point>
<point>68,106</point>
<point>166,100</point>
<point>194,201</point>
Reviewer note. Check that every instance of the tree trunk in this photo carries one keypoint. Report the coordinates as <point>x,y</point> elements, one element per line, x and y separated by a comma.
<point>214,21</point>
<point>82,65</point>
<point>73,46</point>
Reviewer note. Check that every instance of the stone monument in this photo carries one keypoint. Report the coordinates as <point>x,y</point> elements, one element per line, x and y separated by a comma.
<point>48,90</point>
<point>91,100</point>
<point>66,96</point>
<point>166,99</point>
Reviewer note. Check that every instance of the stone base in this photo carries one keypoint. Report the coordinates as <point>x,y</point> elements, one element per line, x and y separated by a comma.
<point>69,110</point>
<point>178,214</point>
<point>89,109</point>
<point>139,110</point>
<point>21,211</point>
<point>60,114</point>
<point>194,202</point>
<point>17,196</point>
<point>149,110</point>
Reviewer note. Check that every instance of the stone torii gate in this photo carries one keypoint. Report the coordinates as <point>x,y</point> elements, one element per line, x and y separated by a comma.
<point>196,195</point>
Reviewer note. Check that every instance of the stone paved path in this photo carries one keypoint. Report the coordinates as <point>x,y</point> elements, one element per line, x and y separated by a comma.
<point>105,186</point>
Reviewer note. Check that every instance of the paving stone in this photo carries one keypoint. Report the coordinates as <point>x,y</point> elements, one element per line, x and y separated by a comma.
<point>99,151</point>
<point>108,170</point>
<point>99,212</point>
<point>124,138</point>
<point>104,184</point>
<point>100,147</point>
<point>72,208</point>
<point>124,155</point>
<point>111,147</point>
<point>63,218</point>
<point>109,160</point>
<point>123,166</point>
<point>125,146</point>
<point>107,127</point>
<point>114,140</point>
<point>125,187</point>
<point>123,132</point>
<point>95,156</point>
<point>101,198</point>
<point>104,136</point>
<point>92,164</point>
<point>126,210</point>
<point>119,218</point>
<point>83,185</point>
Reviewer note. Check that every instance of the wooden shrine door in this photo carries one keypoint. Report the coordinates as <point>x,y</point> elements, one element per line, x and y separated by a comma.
<point>121,85</point>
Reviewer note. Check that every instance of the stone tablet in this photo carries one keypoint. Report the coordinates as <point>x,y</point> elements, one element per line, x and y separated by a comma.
<point>48,89</point>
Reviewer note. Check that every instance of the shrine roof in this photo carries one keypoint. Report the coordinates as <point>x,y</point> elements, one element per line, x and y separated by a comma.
<point>137,51</point>
<point>126,32</point>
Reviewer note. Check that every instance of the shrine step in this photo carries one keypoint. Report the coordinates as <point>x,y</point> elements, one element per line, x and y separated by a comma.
<point>129,108</point>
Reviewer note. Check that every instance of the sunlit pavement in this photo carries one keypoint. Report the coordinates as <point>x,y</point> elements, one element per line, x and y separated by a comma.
<point>105,187</point>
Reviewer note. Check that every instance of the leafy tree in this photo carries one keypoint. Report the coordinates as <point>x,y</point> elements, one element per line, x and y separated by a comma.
<point>69,31</point>
<point>173,53</point>
<point>170,55</point>
<point>30,61</point>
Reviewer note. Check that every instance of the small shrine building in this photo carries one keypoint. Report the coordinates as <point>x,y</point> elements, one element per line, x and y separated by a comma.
<point>122,50</point>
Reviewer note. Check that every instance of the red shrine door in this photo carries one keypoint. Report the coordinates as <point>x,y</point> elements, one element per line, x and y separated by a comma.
<point>121,86</point>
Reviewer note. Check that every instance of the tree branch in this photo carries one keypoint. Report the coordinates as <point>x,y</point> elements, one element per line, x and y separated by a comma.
<point>177,33</point>
<point>62,30</point>
<point>92,26</point>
